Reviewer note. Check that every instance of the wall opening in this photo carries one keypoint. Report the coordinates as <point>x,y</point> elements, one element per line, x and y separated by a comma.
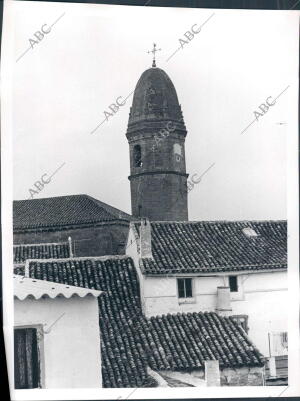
<point>26,358</point>
<point>137,156</point>
<point>233,284</point>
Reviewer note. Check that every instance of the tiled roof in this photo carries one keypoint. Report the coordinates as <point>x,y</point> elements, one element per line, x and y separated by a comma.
<point>218,246</point>
<point>129,341</point>
<point>184,341</point>
<point>63,210</point>
<point>123,364</point>
<point>41,251</point>
<point>25,287</point>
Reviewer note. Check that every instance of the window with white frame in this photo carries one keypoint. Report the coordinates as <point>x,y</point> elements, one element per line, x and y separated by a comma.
<point>185,288</point>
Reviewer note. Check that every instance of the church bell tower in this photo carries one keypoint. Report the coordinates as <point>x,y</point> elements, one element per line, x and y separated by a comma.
<point>156,134</point>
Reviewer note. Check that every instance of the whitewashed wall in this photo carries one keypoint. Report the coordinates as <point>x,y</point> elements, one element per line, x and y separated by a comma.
<point>70,353</point>
<point>132,250</point>
<point>261,296</point>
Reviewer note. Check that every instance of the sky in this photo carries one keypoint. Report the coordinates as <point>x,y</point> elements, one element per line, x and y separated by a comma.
<point>93,54</point>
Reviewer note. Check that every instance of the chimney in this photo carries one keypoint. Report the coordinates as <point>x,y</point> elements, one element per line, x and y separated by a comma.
<point>70,247</point>
<point>145,239</point>
<point>223,301</point>
<point>212,373</point>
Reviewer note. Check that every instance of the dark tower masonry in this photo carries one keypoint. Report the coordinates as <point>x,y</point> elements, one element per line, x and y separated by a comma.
<point>158,178</point>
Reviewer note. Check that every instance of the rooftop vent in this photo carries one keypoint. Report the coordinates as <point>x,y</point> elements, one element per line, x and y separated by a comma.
<point>249,232</point>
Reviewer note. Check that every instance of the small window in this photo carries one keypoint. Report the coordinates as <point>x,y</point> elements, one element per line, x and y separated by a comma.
<point>184,287</point>
<point>233,284</point>
<point>137,156</point>
<point>27,370</point>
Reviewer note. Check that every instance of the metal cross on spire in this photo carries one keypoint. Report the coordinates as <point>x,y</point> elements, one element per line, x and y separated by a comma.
<point>153,51</point>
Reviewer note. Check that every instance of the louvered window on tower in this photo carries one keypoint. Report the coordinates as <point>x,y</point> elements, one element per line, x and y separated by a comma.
<point>185,288</point>
<point>137,156</point>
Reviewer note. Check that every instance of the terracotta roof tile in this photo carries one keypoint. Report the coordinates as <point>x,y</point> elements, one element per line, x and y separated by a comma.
<point>63,210</point>
<point>191,247</point>
<point>184,341</point>
<point>41,251</point>
<point>130,342</point>
<point>123,364</point>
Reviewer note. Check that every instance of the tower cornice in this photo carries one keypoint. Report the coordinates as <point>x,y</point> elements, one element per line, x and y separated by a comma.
<point>130,177</point>
<point>141,133</point>
<point>146,128</point>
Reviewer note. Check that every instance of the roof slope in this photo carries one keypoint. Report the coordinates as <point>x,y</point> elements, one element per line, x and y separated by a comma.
<point>63,210</point>
<point>123,364</point>
<point>191,247</point>
<point>41,251</point>
<point>185,340</point>
<point>129,341</point>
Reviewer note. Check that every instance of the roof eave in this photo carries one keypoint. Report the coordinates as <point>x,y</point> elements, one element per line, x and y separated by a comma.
<point>219,273</point>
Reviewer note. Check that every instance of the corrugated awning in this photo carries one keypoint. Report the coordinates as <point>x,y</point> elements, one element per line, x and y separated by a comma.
<point>25,287</point>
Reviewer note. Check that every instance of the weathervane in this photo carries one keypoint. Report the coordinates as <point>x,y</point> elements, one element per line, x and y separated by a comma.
<point>154,50</point>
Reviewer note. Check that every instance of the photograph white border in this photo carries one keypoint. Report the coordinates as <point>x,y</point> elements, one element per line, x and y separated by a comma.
<point>292,389</point>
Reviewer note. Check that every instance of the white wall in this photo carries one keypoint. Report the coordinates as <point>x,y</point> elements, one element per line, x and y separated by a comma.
<point>261,296</point>
<point>132,249</point>
<point>70,353</point>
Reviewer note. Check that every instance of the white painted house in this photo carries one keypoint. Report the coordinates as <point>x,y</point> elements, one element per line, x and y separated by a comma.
<point>57,336</point>
<point>235,268</point>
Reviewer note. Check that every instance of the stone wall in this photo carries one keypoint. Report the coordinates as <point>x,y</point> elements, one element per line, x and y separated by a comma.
<point>252,376</point>
<point>194,378</point>
<point>245,376</point>
<point>93,240</point>
<point>159,185</point>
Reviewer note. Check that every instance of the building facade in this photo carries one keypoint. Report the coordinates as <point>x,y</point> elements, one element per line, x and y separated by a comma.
<point>183,267</point>
<point>52,324</point>
<point>94,227</point>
